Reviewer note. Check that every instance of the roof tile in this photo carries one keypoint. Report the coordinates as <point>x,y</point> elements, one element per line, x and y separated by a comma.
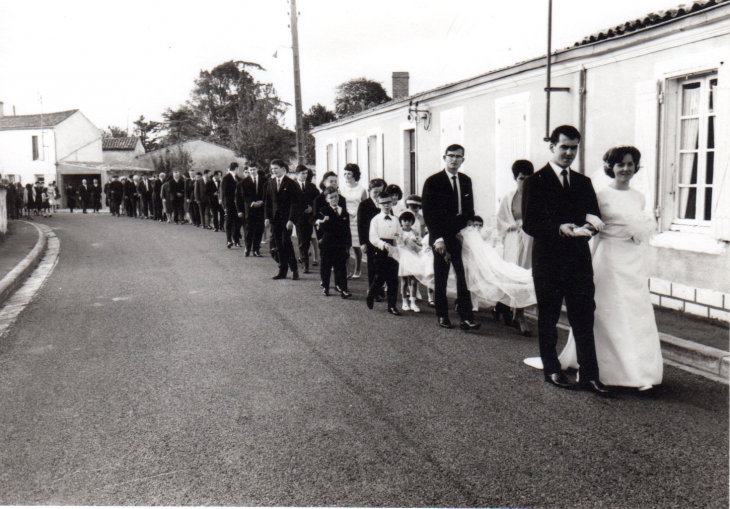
<point>13,122</point>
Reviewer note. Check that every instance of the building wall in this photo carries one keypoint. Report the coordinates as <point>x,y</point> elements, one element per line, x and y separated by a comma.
<point>77,139</point>
<point>16,155</point>
<point>621,107</point>
<point>126,157</point>
<point>206,156</point>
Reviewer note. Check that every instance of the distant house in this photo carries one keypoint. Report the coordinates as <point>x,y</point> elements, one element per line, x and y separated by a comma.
<point>32,147</point>
<point>205,155</point>
<point>121,150</point>
<point>660,82</point>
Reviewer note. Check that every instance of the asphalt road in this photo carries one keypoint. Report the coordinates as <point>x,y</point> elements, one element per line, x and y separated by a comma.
<point>156,367</point>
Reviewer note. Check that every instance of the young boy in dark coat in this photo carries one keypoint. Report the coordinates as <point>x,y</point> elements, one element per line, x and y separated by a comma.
<point>333,222</point>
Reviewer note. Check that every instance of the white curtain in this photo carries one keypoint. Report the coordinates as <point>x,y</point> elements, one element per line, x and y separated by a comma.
<point>689,141</point>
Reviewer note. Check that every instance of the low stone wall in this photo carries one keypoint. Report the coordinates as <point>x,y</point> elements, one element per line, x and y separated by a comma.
<point>695,301</point>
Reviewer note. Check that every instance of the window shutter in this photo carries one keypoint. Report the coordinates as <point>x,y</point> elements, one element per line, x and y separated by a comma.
<point>721,205</point>
<point>511,140</point>
<point>645,139</point>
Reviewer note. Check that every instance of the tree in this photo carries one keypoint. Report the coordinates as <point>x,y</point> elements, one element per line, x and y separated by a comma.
<point>173,159</point>
<point>114,132</point>
<point>317,116</point>
<point>148,133</point>
<point>357,95</point>
<point>230,107</point>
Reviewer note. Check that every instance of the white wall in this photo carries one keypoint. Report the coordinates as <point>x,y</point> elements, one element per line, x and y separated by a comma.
<point>16,154</point>
<point>77,139</point>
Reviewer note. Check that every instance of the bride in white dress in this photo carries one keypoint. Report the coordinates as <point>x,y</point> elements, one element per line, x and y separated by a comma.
<point>627,341</point>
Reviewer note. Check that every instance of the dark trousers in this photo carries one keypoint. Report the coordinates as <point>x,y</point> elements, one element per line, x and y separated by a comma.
<point>84,204</point>
<point>203,211</point>
<point>284,246</point>
<point>216,210</point>
<point>157,209</point>
<point>386,272</point>
<point>178,209</point>
<point>333,258</point>
<point>304,240</point>
<point>254,229</point>
<point>115,205</point>
<point>441,275</point>
<point>129,207</point>
<point>370,258</point>
<point>194,212</point>
<point>578,291</point>
<point>96,203</point>
<point>143,207</point>
<point>233,224</point>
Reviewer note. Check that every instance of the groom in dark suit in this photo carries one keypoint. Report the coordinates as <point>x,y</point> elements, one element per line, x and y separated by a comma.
<point>448,207</point>
<point>560,211</point>
<point>280,209</point>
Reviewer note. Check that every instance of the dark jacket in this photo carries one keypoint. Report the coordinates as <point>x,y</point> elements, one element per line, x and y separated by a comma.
<point>441,205</point>
<point>545,206</point>
<point>335,230</point>
<point>366,211</point>
<point>227,191</point>
<point>281,204</point>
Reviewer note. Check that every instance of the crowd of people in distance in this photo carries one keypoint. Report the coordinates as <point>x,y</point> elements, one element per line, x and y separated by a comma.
<point>536,252</point>
<point>24,202</point>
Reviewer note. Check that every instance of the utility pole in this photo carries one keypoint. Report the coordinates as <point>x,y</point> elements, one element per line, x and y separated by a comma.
<point>297,85</point>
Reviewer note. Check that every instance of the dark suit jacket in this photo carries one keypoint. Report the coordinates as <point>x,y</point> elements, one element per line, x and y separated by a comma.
<point>319,203</point>
<point>441,205</point>
<point>129,190</point>
<point>211,191</point>
<point>336,235</point>
<point>190,189</point>
<point>227,191</point>
<point>199,191</point>
<point>177,188</point>
<point>85,192</point>
<point>545,206</point>
<point>95,191</point>
<point>144,190</point>
<point>366,211</point>
<point>251,194</point>
<point>157,188</point>
<point>281,204</point>
<point>306,199</point>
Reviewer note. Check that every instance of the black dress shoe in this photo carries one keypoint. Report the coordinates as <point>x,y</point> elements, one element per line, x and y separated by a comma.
<point>279,276</point>
<point>345,294</point>
<point>595,386</point>
<point>445,323</point>
<point>247,253</point>
<point>306,271</point>
<point>370,301</point>
<point>325,292</point>
<point>469,325</point>
<point>295,276</point>
<point>257,254</point>
<point>394,311</point>
<point>559,379</point>
<point>237,244</point>
<point>230,245</point>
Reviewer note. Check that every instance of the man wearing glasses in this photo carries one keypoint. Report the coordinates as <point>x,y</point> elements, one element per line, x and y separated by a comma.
<point>448,207</point>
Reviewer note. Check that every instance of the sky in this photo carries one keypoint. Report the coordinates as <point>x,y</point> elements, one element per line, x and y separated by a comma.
<point>116,61</point>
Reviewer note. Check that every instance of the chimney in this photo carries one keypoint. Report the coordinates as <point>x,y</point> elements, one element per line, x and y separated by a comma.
<point>400,85</point>
<point>2,113</point>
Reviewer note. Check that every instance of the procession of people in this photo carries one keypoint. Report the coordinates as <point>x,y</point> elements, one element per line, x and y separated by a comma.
<point>555,242</point>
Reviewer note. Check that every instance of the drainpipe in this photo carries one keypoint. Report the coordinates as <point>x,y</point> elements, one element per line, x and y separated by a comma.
<point>657,148</point>
<point>582,118</point>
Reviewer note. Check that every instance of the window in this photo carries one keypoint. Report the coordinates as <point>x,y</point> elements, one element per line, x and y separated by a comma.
<point>331,158</point>
<point>349,154</point>
<point>689,179</point>
<point>372,156</point>
<point>410,185</point>
<point>35,148</point>
<point>696,150</point>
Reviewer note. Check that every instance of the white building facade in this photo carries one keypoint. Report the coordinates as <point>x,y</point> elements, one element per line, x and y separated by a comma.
<point>661,84</point>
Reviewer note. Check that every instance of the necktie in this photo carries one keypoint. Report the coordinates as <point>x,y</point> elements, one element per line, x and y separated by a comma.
<point>302,186</point>
<point>256,184</point>
<point>458,196</point>
<point>278,184</point>
<point>566,184</point>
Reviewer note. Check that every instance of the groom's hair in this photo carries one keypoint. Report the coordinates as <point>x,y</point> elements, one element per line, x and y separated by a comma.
<point>567,130</point>
<point>616,154</point>
<point>454,148</point>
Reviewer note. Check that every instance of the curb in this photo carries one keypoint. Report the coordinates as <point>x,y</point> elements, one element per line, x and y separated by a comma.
<point>18,275</point>
<point>700,359</point>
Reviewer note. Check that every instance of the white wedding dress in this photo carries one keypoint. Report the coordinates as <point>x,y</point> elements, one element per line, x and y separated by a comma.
<point>627,341</point>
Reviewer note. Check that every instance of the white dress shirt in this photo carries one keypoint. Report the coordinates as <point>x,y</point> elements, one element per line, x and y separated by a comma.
<point>382,228</point>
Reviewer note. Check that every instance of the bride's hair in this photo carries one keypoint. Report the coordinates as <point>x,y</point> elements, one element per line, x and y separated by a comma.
<point>616,154</point>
